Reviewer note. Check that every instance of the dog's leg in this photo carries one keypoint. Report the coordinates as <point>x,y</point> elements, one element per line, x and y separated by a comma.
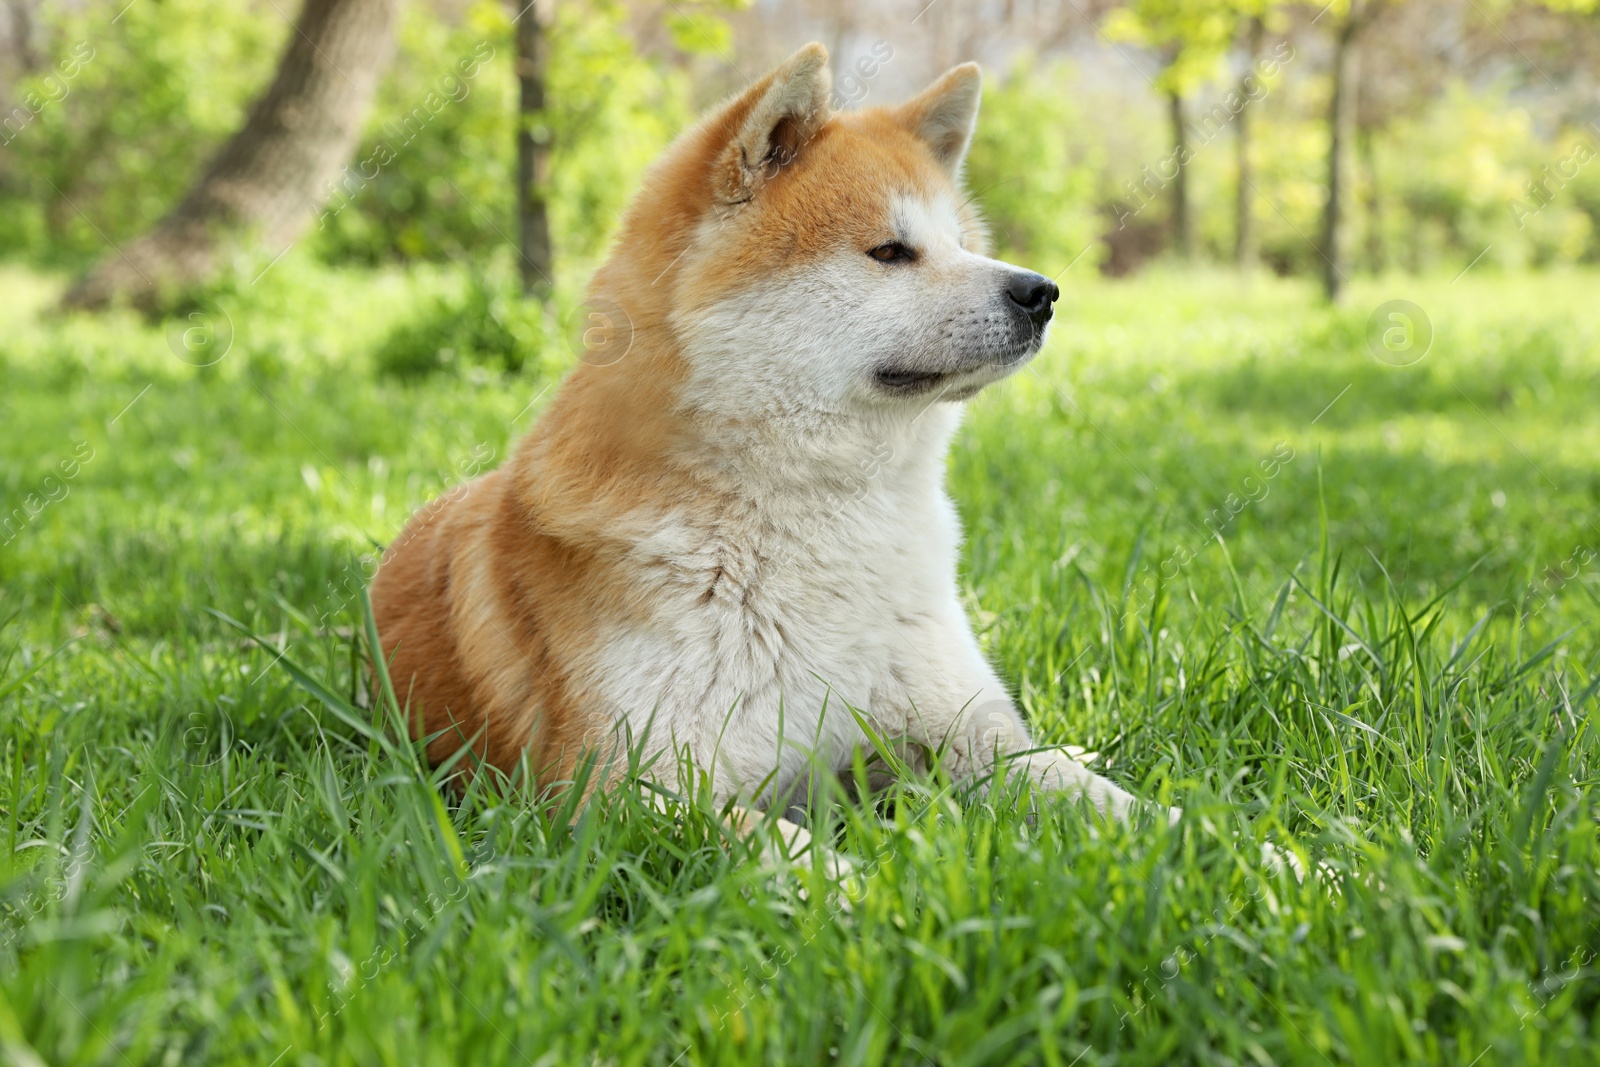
<point>789,844</point>
<point>796,843</point>
<point>744,822</point>
<point>991,738</point>
<point>993,734</point>
<point>961,708</point>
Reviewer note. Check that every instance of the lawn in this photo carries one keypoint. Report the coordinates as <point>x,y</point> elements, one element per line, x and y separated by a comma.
<point>215,852</point>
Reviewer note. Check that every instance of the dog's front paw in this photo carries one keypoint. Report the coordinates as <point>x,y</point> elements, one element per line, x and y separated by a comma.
<point>833,877</point>
<point>1276,859</point>
<point>847,881</point>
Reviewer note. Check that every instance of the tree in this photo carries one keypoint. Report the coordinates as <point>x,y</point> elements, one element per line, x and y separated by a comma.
<point>533,150</point>
<point>268,180</point>
<point>20,37</point>
<point>1350,20</point>
<point>1182,224</point>
<point>1192,36</point>
<point>1244,233</point>
<point>1403,68</point>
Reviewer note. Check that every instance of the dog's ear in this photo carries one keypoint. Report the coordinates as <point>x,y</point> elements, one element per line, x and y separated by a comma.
<point>943,115</point>
<point>771,123</point>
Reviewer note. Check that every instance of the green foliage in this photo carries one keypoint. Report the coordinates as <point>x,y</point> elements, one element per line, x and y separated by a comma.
<point>131,129</point>
<point>1292,163</point>
<point>1463,176</point>
<point>103,141</point>
<point>1191,35</point>
<point>489,325</point>
<point>433,176</point>
<point>213,855</point>
<point>1469,172</point>
<point>115,144</point>
<point>1033,177</point>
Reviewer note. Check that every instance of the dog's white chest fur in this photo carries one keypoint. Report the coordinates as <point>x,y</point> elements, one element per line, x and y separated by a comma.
<point>776,617</point>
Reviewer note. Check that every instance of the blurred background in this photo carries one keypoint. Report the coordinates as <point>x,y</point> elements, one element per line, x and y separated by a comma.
<point>286,269</point>
<point>1329,142</point>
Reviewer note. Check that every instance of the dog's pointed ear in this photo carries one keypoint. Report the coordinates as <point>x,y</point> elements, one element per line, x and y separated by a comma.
<point>772,121</point>
<point>944,114</point>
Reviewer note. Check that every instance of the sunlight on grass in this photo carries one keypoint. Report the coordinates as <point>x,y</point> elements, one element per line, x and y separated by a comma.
<point>1386,661</point>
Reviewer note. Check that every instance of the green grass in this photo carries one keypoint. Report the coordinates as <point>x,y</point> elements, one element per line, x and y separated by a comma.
<point>1389,661</point>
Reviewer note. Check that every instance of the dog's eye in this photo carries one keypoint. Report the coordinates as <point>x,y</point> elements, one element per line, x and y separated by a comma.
<point>893,252</point>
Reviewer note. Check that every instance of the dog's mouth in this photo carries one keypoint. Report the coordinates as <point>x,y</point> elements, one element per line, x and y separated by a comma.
<point>960,384</point>
<point>903,381</point>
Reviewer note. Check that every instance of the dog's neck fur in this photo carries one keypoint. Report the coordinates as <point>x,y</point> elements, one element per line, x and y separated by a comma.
<point>602,443</point>
<point>814,454</point>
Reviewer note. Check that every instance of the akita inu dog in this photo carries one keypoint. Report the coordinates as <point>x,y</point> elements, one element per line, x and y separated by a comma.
<point>735,533</point>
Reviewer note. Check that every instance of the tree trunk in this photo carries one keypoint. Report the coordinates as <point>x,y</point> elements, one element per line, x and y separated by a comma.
<point>22,35</point>
<point>1341,128</point>
<point>268,181</point>
<point>1182,224</point>
<point>1371,205</point>
<point>533,152</point>
<point>1245,240</point>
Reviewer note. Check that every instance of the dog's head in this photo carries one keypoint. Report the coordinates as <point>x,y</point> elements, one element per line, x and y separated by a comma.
<point>812,260</point>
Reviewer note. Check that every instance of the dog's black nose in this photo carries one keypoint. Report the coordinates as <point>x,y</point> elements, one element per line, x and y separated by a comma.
<point>1033,293</point>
